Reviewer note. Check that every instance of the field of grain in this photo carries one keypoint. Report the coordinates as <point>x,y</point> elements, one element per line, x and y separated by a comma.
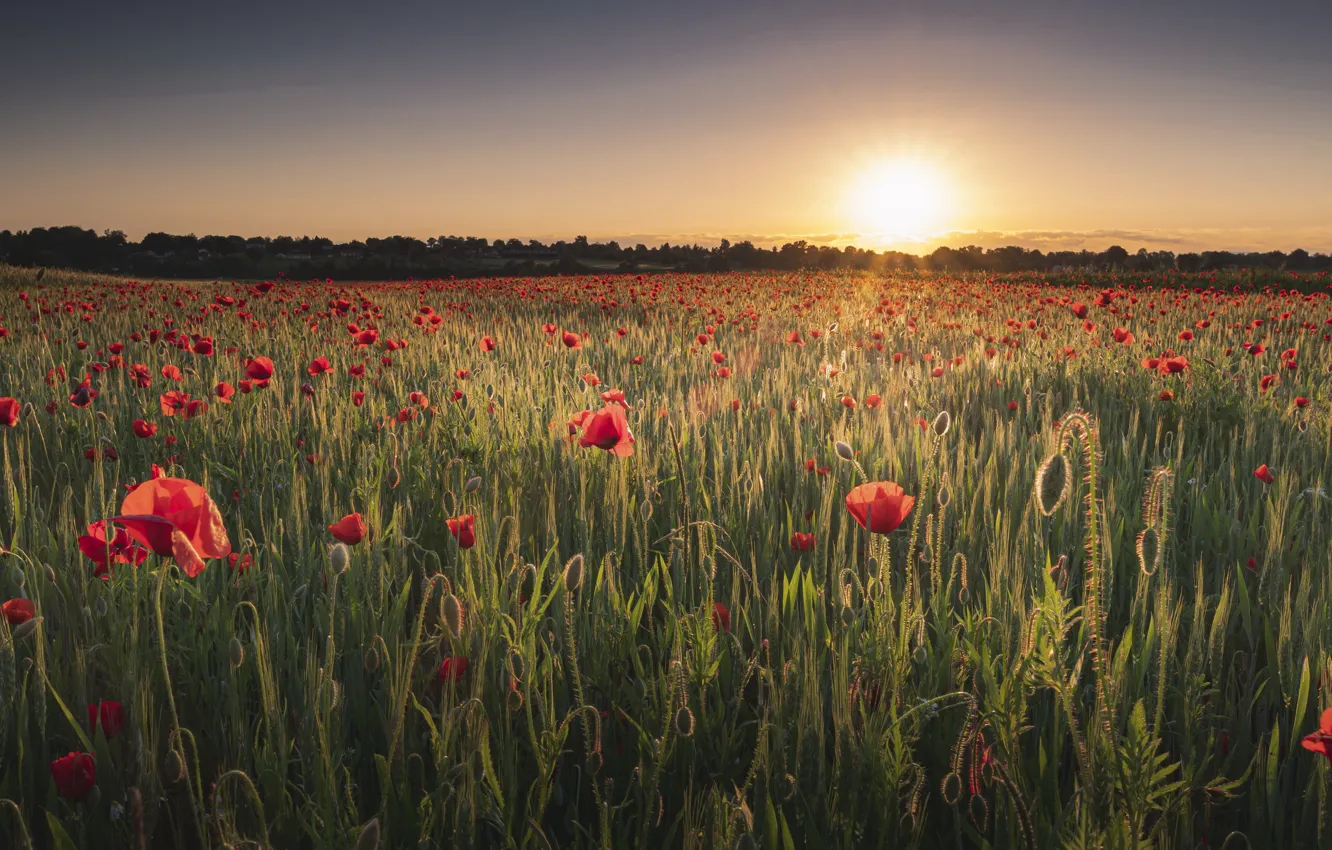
<point>745,560</point>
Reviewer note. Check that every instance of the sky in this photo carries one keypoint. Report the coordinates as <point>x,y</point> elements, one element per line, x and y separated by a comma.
<point>1164,124</point>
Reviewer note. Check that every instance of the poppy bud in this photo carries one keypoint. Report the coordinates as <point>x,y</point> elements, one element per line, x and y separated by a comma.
<point>921,655</point>
<point>339,558</point>
<point>370,660</point>
<point>22,630</point>
<point>1149,550</point>
<point>236,653</point>
<point>369,838</point>
<point>964,595</point>
<point>173,769</point>
<point>453,614</point>
<point>942,422</point>
<point>514,700</point>
<point>517,665</point>
<point>573,573</point>
<point>645,510</point>
<point>473,484</point>
<point>50,574</point>
<point>684,722</point>
<point>945,496</point>
<point>844,451</point>
<point>1052,483</point>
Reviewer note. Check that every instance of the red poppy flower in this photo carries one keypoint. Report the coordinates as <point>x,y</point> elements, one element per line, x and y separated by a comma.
<point>1264,474</point>
<point>18,611</point>
<point>111,715</point>
<point>721,617</point>
<point>9,411</point>
<point>224,392</point>
<point>204,347</point>
<point>350,529</point>
<point>240,564</point>
<point>104,551</point>
<point>259,370</point>
<point>463,529</point>
<point>487,344</point>
<point>143,429</point>
<point>549,329</point>
<point>873,400</point>
<point>176,517</point>
<point>365,338</point>
<point>1123,336</point>
<point>358,398</point>
<point>880,506</point>
<point>591,379</point>
<point>718,358</point>
<point>571,340</point>
<point>74,775</point>
<point>451,669</point>
<point>319,366</point>
<point>83,394</point>
<point>1079,309</point>
<point>848,402</point>
<point>615,397</point>
<point>1321,740</point>
<point>171,373</point>
<point>608,429</point>
<point>802,542</point>
<point>1301,401</point>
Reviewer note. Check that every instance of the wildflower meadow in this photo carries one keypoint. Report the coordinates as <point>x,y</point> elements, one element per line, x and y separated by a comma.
<point>743,560</point>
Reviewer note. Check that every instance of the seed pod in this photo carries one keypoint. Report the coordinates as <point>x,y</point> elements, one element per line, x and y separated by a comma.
<point>339,558</point>
<point>684,722</point>
<point>473,484</point>
<point>515,701</point>
<point>942,423</point>
<point>370,659</point>
<point>645,510</point>
<point>453,615</point>
<point>50,574</point>
<point>844,450</point>
<point>173,769</point>
<point>1053,483</point>
<point>921,656</point>
<point>369,837</point>
<point>945,496</point>
<point>22,630</point>
<point>517,665</point>
<point>964,595</point>
<point>236,653</point>
<point>573,573</point>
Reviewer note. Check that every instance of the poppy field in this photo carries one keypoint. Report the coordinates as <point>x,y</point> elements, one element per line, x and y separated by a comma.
<point>759,560</point>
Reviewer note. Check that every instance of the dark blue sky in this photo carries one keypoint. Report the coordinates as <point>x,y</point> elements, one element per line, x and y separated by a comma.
<point>698,118</point>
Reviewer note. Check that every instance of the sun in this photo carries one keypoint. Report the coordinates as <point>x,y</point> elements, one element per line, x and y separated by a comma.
<point>899,199</point>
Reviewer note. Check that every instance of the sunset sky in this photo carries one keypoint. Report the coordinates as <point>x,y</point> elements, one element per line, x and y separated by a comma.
<point>1052,124</point>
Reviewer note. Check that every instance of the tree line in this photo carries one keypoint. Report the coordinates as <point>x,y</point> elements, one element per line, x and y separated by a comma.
<point>401,257</point>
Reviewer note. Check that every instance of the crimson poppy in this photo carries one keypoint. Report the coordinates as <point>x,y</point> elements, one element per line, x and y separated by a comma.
<point>111,715</point>
<point>1264,474</point>
<point>802,542</point>
<point>358,398</point>
<point>880,506</point>
<point>103,551</point>
<point>608,429</point>
<point>572,340</point>
<point>721,617</point>
<point>171,373</point>
<point>224,392</point>
<point>74,775</point>
<point>260,370</point>
<point>615,397</point>
<point>463,529</point>
<point>1320,741</point>
<point>18,611</point>
<point>451,669</point>
<point>319,366</point>
<point>487,344</point>
<point>176,517</point>
<point>873,400</point>
<point>350,529</point>
<point>9,411</point>
<point>143,429</point>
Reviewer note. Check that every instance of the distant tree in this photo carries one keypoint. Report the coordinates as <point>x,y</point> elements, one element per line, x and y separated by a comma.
<point>1115,256</point>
